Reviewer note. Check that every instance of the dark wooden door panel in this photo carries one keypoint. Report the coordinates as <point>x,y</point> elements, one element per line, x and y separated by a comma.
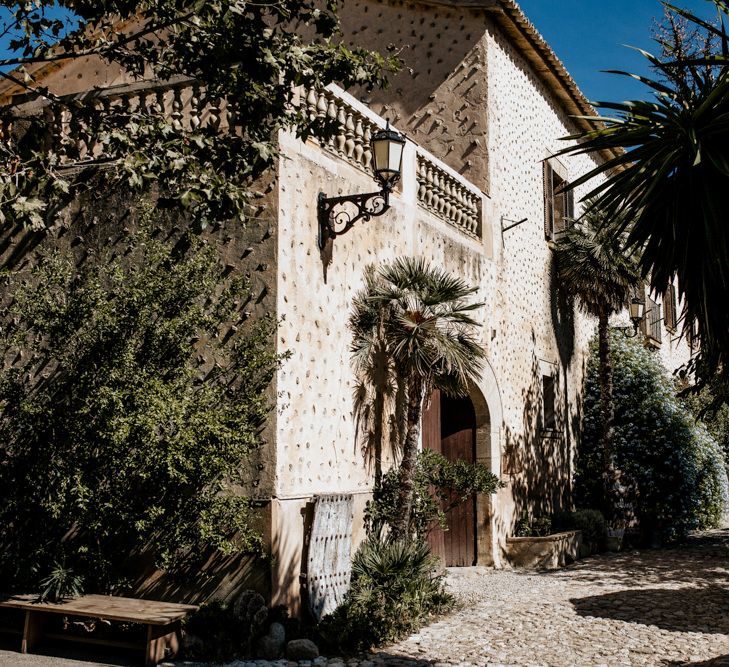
<point>456,440</point>
<point>431,440</point>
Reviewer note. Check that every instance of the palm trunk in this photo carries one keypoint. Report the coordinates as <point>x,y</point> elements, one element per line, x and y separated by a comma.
<point>608,415</point>
<point>400,529</point>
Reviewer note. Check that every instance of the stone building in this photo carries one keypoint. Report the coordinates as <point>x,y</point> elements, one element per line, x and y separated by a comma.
<point>484,102</point>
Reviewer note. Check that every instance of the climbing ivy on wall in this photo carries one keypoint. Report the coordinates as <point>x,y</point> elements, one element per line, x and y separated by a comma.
<point>134,390</point>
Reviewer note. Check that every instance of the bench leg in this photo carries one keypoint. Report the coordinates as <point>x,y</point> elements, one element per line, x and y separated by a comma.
<point>33,630</point>
<point>163,642</point>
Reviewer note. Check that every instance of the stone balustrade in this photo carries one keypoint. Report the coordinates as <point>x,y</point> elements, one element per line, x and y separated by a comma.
<point>74,124</point>
<point>353,130</point>
<point>447,197</point>
<point>438,191</point>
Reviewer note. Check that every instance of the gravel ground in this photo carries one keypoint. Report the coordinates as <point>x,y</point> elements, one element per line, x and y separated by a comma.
<point>663,608</point>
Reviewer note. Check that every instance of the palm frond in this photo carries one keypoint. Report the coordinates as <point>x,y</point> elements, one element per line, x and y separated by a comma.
<point>422,317</point>
<point>673,178</point>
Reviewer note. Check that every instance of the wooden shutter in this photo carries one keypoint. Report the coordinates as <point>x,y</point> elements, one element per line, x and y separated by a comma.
<point>570,208</point>
<point>548,199</point>
<point>669,308</point>
<point>329,565</point>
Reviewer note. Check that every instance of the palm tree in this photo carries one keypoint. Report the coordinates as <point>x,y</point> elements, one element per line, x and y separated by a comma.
<point>593,266</point>
<point>420,317</point>
<point>671,170</point>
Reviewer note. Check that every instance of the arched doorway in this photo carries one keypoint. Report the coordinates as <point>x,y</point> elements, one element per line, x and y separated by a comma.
<point>450,427</point>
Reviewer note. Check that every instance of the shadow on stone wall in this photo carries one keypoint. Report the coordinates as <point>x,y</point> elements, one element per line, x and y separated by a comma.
<point>539,461</point>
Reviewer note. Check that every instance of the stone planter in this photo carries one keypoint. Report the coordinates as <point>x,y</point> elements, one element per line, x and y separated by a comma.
<point>544,553</point>
<point>615,539</point>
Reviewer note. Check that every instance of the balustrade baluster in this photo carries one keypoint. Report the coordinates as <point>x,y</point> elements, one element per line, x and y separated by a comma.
<point>342,136</point>
<point>332,117</point>
<point>430,181</point>
<point>321,105</point>
<point>195,120</point>
<point>176,114</point>
<point>215,113</point>
<point>311,102</point>
<point>358,141</point>
<point>349,134</point>
<point>366,139</point>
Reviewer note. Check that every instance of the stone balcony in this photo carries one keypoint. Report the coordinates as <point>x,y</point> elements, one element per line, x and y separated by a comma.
<point>426,180</point>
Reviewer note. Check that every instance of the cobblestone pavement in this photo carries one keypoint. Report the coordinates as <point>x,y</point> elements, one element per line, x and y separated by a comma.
<point>657,607</point>
<point>666,608</point>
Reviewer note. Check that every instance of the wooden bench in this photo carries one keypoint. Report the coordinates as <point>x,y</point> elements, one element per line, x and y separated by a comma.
<point>161,618</point>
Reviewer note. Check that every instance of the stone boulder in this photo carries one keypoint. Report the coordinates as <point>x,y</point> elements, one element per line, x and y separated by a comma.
<point>271,645</point>
<point>302,649</point>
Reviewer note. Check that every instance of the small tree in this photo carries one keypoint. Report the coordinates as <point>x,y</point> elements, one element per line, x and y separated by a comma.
<point>116,439</point>
<point>595,268</point>
<point>418,318</point>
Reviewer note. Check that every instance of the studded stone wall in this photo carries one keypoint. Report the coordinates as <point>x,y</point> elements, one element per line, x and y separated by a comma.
<point>316,429</point>
<point>439,96</point>
<point>536,332</point>
<point>529,329</point>
<point>317,448</point>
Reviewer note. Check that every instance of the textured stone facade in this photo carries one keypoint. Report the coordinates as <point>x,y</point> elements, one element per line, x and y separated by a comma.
<point>481,120</point>
<point>529,330</point>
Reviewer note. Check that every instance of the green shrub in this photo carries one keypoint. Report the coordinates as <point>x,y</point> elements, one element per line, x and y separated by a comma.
<point>395,590</point>
<point>708,407</point>
<point>591,522</point>
<point>116,439</point>
<point>440,485</point>
<point>537,527</point>
<point>60,584</point>
<point>672,472</point>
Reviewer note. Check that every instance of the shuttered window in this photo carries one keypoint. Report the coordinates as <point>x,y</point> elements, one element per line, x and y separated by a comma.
<point>670,318</point>
<point>559,205</point>
<point>549,412</point>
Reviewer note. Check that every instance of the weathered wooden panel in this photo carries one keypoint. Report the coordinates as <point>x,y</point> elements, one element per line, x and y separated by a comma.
<point>329,565</point>
<point>431,440</point>
<point>454,421</point>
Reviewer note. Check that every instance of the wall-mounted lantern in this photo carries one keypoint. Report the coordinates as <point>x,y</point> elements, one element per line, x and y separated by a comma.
<point>636,308</point>
<point>335,218</point>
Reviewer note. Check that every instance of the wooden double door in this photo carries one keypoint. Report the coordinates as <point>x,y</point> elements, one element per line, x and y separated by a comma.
<point>449,427</point>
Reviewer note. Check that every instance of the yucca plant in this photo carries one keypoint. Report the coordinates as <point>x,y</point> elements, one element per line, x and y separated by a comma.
<point>419,318</point>
<point>671,171</point>
<point>395,589</point>
<point>594,267</point>
<point>60,584</point>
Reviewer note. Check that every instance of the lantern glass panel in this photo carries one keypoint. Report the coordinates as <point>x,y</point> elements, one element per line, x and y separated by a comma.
<point>637,308</point>
<point>387,149</point>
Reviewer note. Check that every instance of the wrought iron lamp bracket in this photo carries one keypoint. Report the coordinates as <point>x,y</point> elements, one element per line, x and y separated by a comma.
<point>626,331</point>
<point>335,219</point>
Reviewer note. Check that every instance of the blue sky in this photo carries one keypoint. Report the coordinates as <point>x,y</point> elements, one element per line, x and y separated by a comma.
<point>588,35</point>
